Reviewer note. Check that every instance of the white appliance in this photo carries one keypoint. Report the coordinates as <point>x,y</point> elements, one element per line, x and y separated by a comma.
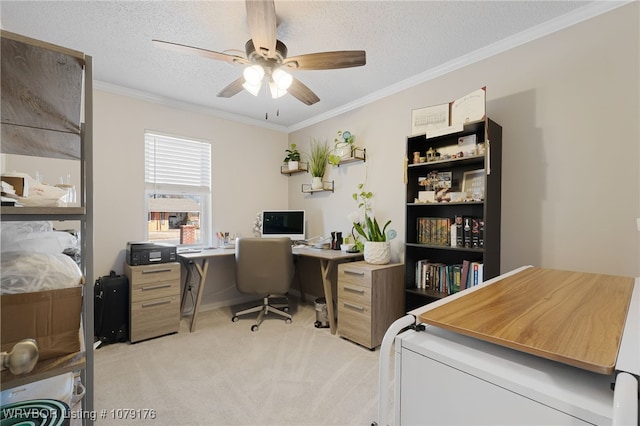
<point>442,377</point>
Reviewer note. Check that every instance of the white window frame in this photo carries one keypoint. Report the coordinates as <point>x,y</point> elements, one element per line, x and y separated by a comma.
<point>176,176</point>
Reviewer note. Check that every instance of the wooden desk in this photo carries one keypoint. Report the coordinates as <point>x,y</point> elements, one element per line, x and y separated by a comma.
<point>198,262</point>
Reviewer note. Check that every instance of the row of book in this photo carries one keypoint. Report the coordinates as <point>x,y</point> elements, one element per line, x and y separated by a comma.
<point>448,279</point>
<point>463,231</point>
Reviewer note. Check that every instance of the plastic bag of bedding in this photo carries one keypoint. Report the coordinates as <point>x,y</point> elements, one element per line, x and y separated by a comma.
<point>35,236</point>
<point>25,272</point>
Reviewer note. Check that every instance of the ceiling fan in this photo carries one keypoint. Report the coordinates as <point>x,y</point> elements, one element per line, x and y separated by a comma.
<point>267,57</point>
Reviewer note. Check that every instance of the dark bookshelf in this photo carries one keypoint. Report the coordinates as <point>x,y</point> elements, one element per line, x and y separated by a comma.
<point>488,133</point>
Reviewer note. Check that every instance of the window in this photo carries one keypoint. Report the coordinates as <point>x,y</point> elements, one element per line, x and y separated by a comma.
<point>177,177</point>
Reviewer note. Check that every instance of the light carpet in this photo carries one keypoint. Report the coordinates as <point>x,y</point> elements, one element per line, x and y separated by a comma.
<point>224,374</point>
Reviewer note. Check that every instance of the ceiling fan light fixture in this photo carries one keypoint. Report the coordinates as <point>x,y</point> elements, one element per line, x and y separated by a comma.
<point>253,75</point>
<point>254,89</point>
<point>276,92</point>
<point>282,79</point>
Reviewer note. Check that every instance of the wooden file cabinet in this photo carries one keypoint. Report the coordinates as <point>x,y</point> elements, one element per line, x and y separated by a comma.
<point>155,300</point>
<point>370,298</point>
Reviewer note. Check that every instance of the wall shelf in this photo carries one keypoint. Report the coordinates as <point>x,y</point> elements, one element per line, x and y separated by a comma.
<point>357,155</point>
<point>326,186</point>
<point>302,168</point>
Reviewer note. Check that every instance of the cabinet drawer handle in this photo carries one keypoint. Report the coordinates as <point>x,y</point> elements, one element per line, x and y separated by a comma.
<point>357,308</point>
<point>346,271</point>
<point>353,290</point>
<point>156,286</point>
<point>157,303</point>
<point>156,271</point>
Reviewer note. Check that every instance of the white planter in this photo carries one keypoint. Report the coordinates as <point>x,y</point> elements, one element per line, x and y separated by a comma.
<point>316,183</point>
<point>343,150</point>
<point>377,253</point>
<point>293,165</point>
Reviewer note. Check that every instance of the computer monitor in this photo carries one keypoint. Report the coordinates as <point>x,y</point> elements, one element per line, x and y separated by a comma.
<point>283,223</point>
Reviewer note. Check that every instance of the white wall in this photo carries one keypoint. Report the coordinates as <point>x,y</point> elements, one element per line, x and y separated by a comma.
<point>569,107</point>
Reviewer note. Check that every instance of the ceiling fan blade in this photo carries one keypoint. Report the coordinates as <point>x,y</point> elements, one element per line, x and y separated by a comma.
<point>327,60</point>
<point>302,93</point>
<point>181,48</point>
<point>261,17</point>
<point>232,89</point>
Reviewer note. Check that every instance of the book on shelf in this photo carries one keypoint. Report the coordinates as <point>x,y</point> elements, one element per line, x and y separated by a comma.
<point>434,231</point>
<point>475,232</point>
<point>459,231</point>
<point>466,232</point>
<point>439,277</point>
<point>464,277</point>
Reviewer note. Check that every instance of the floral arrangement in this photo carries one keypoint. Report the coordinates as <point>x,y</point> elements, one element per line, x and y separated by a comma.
<point>366,224</point>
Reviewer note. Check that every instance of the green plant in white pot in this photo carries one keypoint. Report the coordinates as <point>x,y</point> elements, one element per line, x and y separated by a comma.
<point>376,246</point>
<point>293,157</point>
<point>318,160</point>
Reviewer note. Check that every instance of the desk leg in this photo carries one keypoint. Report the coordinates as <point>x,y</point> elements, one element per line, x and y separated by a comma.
<point>326,266</point>
<point>202,271</point>
<point>187,283</point>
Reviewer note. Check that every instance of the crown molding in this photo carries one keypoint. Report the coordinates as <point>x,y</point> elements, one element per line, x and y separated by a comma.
<point>184,106</point>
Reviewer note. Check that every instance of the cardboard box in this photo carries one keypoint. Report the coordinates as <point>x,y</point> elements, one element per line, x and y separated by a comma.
<point>20,185</point>
<point>50,317</point>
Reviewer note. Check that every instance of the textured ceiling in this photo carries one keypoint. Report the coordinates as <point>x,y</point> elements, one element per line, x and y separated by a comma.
<point>403,40</point>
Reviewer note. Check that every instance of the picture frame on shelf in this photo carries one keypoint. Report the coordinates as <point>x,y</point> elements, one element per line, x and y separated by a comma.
<point>429,118</point>
<point>473,185</point>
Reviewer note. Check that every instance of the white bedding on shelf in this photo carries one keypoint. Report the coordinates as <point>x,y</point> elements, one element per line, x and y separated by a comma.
<point>32,258</point>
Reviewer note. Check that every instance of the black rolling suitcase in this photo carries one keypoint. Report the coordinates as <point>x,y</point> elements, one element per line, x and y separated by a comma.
<point>111,309</point>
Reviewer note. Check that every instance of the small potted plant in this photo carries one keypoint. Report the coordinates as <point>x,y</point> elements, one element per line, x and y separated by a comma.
<point>343,148</point>
<point>293,157</point>
<point>377,248</point>
<point>318,161</point>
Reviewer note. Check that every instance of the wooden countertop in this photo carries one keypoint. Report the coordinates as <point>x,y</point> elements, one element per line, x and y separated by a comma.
<point>572,317</point>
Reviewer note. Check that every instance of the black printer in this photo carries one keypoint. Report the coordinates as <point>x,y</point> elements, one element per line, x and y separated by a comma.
<point>148,253</point>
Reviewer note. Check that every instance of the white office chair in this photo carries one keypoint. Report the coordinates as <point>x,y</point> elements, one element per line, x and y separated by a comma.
<point>264,266</point>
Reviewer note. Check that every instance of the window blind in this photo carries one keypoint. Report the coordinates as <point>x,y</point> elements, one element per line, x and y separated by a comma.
<point>175,161</point>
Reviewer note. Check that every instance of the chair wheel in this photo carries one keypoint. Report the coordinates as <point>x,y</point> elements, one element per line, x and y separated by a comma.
<point>288,320</point>
<point>234,318</point>
<point>286,309</point>
<point>254,327</point>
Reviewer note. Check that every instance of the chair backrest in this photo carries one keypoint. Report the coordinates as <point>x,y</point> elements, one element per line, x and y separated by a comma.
<point>264,265</point>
